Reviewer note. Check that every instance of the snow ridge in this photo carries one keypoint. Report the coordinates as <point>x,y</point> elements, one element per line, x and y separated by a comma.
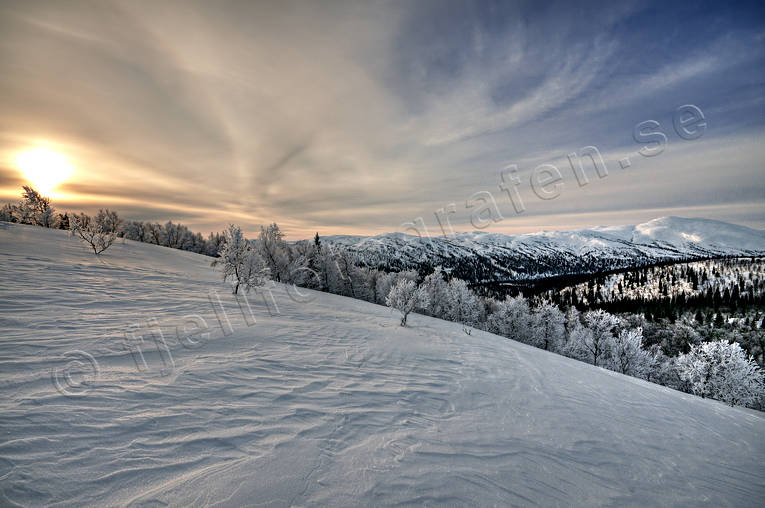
<point>480,256</point>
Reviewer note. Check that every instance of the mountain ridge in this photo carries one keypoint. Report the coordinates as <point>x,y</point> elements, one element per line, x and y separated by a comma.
<point>479,256</point>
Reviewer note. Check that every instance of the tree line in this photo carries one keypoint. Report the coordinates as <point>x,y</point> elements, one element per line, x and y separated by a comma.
<point>101,229</point>
<point>683,303</point>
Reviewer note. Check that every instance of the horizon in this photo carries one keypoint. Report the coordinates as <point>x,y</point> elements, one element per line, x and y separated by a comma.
<point>350,119</point>
<point>589,228</point>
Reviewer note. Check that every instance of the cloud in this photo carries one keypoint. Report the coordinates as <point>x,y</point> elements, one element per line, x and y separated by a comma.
<point>347,117</point>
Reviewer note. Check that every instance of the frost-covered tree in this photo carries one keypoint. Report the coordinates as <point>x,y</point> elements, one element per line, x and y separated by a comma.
<point>35,209</point>
<point>663,370</point>
<point>240,261</point>
<point>512,318</point>
<point>462,305</point>
<point>575,346</point>
<point>374,277</point>
<point>304,267</point>
<point>592,342</point>
<point>254,271</point>
<point>365,279</point>
<point>8,213</point>
<point>628,356</point>
<point>385,281</point>
<point>274,251</point>
<point>722,371</point>
<point>335,268</point>
<point>349,281</point>
<point>62,221</point>
<point>324,265</point>
<point>406,296</point>
<point>136,230</point>
<point>98,232</point>
<point>109,221</point>
<point>572,320</point>
<point>548,327</point>
<point>438,293</point>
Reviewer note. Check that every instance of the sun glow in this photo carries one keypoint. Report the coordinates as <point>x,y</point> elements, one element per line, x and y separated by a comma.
<point>43,168</point>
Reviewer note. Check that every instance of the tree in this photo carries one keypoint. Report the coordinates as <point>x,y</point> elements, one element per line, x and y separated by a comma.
<point>548,327</point>
<point>172,234</point>
<point>572,321</point>
<point>438,293</point>
<point>304,267</point>
<point>99,232</point>
<point>628,356</point>
<point>253,272</point>
<point>592,341</point>
<point>35,209</point>
<point>348,281</point>
<point>754,342</point>
<point>327,269</point>
<point>512,319</point>
<point>682,336</point>
<point>274,251</point>
<point>8,213</point>
<point>385,281</point>
<point>720,370</point>
<point>241,262</point>
<point>462,305</point>
<point>406,296</point>
<point>62,221</point>
<point>663,369</point>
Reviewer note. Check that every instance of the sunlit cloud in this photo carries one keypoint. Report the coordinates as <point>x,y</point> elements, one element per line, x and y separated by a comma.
<point>351,118</point>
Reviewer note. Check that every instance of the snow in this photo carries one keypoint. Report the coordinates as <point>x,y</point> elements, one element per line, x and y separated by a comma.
<point>679,232</point>
<point>326,402</point>
<point>550,253</point>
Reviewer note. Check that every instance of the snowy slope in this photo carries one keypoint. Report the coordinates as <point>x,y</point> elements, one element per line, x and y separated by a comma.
<point>324,403</point>
<point>480,256</point>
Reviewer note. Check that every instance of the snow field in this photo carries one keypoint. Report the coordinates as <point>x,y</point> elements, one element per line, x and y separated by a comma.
<point>325,402</point>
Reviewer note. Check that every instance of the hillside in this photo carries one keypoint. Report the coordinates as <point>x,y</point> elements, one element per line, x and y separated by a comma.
<point>479,256</point>
<point>323,400</point>
<point>735,284</point>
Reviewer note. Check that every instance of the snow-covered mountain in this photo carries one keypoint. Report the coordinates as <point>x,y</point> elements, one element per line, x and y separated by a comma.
<point>318,401</point>
<point>480,256</point>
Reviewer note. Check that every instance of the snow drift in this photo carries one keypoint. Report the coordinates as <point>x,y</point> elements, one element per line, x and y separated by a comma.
<point>321,400</point>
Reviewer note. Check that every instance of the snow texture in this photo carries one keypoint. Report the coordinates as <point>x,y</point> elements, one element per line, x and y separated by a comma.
<point>326,402</point>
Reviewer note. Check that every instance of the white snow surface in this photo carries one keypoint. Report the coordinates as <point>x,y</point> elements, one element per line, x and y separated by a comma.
<point>325,403</point>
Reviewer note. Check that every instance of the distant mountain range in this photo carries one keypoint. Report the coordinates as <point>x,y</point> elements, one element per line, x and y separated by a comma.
<point>481,257</point>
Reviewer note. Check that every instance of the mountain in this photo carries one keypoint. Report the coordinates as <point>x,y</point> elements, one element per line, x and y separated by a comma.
<point>479,256</point>
<point>318,401</point>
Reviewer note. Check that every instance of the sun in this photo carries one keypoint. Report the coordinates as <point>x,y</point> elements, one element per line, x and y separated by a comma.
<point>43,168</point>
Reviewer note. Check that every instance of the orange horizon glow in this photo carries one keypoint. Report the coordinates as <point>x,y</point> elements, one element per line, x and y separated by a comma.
<point>44,169</point>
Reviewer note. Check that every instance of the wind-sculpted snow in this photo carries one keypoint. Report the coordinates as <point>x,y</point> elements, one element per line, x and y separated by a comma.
<point>327,402</point>
<point>480,257</point>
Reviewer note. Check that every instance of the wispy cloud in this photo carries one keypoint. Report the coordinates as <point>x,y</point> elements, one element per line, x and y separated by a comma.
<point>347,117</point>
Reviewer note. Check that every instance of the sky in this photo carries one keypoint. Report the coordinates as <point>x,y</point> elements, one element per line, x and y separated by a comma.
<point>361,117</point>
